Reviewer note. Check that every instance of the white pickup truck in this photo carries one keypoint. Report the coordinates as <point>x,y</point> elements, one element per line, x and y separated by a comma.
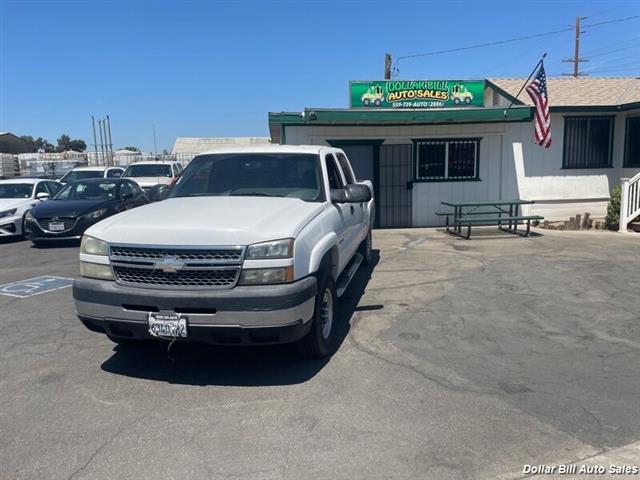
<point>254,245</point>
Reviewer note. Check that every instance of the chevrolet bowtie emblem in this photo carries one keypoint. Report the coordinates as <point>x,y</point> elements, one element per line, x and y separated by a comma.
<point>169,265</point>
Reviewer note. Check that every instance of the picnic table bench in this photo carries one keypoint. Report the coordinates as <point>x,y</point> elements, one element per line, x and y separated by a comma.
<point>503,213</point>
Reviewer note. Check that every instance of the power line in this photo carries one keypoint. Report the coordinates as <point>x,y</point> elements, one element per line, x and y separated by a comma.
<point>612,21</point>
<point>509,40</point>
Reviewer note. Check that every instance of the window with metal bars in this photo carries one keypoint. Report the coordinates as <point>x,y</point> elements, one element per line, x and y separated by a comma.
<point>447,159</point>
<point>588,142</point>
<point>632,142</point>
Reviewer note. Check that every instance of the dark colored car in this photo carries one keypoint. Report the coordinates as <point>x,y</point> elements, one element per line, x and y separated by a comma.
<point>79,205</point>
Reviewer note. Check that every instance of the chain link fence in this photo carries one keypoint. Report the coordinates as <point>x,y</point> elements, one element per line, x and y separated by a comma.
<point>55,165</point>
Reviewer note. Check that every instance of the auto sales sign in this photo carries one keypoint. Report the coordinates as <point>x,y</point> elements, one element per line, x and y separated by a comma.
<point>416,93</point>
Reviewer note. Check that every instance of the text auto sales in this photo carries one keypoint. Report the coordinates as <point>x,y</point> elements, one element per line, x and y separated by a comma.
<point>431,90</point>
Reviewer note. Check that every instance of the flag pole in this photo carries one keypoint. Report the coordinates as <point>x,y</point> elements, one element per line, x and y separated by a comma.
<point>535,69</point>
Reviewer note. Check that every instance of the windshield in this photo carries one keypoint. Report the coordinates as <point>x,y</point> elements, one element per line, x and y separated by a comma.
<point>16,190</point>
<point>87,191</point>
<point>252,174</point>
<point>159,170</point>
<point>80,175</point>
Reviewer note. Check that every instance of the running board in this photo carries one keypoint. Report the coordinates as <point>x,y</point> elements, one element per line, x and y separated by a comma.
<point>349,272</point>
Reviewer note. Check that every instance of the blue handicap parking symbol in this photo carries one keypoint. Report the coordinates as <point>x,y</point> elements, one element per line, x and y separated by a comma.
<point>35,286</point>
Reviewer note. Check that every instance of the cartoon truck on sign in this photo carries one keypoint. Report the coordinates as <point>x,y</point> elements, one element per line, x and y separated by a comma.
<point>460,94</point>
<point>374,94</point>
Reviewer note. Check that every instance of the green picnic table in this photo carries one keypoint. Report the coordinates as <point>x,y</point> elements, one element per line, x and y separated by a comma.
<point>503,213</point>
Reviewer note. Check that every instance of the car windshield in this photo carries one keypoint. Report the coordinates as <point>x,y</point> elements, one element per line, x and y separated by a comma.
<point>15,190</point>
<point>252,174</point>
<point>81,175</point>
<point>87,191</point>
<point>159,170</point>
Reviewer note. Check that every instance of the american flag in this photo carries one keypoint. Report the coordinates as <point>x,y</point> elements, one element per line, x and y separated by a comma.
<point>538,93</point>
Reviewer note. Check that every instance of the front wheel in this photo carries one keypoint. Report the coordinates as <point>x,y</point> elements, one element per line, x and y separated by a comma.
<point>319,340</point>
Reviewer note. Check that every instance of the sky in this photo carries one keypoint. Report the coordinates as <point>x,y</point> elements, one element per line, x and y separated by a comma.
<point>216,68</point>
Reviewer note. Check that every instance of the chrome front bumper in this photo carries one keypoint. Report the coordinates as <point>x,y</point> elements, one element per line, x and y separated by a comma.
<point>214,316</point>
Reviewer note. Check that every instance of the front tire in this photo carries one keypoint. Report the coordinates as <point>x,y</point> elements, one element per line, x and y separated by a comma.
<point>319,341</point>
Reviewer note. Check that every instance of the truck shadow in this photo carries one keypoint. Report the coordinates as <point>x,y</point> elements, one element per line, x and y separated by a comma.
<point>195,364</point>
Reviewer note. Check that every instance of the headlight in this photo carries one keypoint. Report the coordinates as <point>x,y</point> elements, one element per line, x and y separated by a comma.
<point>265,276</point>
<point>96,270</point>
<point>8,213</point>
<point>96,214</point>
<point>276,249</point>
<point>93,246</point>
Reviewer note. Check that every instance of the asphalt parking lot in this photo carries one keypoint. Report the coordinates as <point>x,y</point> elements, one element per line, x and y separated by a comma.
<point>457,359</point>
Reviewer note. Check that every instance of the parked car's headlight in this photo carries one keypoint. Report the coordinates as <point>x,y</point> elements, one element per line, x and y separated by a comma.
<point>275,249</point>
<point>95,214</point>
<point>93,246</point>
<point>265,276</point>
<point>8,213</point>
<point>96,270</point>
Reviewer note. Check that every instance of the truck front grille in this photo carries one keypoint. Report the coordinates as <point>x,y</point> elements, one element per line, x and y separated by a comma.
<point>200,255</point>
<point>140,277</point>
<point>176,267</point>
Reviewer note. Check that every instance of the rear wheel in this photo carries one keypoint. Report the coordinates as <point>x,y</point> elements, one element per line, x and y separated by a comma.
<point>319,341</point>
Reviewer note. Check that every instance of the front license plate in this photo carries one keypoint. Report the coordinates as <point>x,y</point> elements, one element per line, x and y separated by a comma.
<point>167,325</point>
<point>56,227</point>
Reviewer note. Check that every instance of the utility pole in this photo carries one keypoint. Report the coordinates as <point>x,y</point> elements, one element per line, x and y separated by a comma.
<point>110,143</point>
<point>576,60</point>
<point>101,142</point>
<point>95,140</point>
<point>387,66</point>
<point>155,148</point>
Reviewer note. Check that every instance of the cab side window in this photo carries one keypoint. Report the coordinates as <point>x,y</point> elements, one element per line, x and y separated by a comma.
<point>344,163</point>
<point>114,173</point>
<point>335,179</point>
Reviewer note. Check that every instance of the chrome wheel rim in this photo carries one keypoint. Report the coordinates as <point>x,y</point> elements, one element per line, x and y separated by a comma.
<point>326,313</point>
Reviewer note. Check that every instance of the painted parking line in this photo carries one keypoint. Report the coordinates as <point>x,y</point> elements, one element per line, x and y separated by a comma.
<point>35,286</point>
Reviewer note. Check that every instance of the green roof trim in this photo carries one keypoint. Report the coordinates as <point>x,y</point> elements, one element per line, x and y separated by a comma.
<point>400,117</point>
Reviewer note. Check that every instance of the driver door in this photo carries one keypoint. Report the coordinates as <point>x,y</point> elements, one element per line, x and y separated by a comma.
<point>343,226</point>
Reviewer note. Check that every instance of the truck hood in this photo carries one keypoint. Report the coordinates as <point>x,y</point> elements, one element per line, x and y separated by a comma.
<point>208,221</point>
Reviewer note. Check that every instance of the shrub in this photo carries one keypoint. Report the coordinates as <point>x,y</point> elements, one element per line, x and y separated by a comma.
<point>612,219</point>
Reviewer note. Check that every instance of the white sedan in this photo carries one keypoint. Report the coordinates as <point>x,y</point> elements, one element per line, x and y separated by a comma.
<point>17,197</point>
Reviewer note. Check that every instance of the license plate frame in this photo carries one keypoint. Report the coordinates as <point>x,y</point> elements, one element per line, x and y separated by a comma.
<point>56,226</point>
<point>167,325</point>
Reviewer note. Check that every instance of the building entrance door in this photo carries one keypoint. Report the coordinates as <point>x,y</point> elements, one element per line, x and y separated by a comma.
<point>394,188</point>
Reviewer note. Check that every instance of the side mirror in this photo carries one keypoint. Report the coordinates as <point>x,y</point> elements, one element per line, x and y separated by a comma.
<point>357,193</point>
<point>42,196</point>
<point>126,196</point>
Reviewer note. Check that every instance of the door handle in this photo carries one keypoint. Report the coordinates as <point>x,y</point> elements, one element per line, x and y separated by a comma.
<point>353,210</point>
